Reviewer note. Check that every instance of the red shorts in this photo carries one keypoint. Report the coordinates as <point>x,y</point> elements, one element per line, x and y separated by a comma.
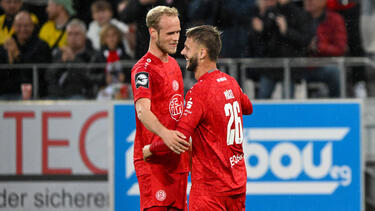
<point>167,190</point>
<point>217,203</point>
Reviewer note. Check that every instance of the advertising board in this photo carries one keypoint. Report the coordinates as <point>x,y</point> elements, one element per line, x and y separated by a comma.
<point>299,156</point>
<point>54,156</point>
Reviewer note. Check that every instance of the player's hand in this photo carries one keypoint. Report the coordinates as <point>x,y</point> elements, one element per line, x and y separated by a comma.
<point>175,141</point>
<point>146,152</point>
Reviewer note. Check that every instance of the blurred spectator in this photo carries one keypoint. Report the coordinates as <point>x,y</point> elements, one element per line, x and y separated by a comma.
<point>231,16</point>
<point>331,36</point>
<point>54,30</point>
<point>102,14</point>
<point>23,47</point>
<point>233,19</point>
<point>37,7</point>
<point>330,40</point>
<point>284,30</point>
<point>84,8</point>
<point>257,42</point>
<point>350,11</point>
<point>112,79</point>
<point>11,8</point>
<point>368,26</point>
<point>71,82</point>
<point>135,12</point>
<point>201,12</point>
<point>259,32</point>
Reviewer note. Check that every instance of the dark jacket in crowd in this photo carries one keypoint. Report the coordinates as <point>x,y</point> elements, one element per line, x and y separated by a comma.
<point>70,81</point>
<point>203,12</point>
<point>233,19</point>
<point>33,51</point>
<point>136,12</point>
<point>296,40</point>
<point>257,45</point>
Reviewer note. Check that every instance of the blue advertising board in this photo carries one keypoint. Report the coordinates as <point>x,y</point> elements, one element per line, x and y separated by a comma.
<point>299,156</point>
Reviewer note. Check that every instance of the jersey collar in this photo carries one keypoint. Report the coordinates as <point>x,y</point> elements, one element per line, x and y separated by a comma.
<point>154,59</point>
<point>208,73</point>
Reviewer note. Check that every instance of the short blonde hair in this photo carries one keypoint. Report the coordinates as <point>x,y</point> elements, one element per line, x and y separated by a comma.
<point>154,15</point>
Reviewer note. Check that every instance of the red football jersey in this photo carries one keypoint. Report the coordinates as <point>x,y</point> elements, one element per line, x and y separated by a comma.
<point>213,118</point>
<point>162,84</point>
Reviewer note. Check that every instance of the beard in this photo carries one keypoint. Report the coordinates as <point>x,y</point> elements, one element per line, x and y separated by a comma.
<point>164,49</point>
<point>193,63</point>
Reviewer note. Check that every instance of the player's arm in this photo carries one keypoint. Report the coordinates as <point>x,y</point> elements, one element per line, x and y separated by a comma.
<point>186,126</point>
<point>246,105</point>
<point>173,140</point>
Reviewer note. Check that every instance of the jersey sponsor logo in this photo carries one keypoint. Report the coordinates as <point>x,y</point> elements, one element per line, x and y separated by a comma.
<point>228,94</point>
<point>161,195</point>
<point>235,159</point>
<point>141,79</point>
<point>175,85</point>
<point>294,169</point>
<point>189,104</point>
<point>176,107</point>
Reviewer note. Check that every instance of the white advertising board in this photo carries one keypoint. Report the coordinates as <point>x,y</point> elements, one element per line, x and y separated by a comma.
<point>54,156</point>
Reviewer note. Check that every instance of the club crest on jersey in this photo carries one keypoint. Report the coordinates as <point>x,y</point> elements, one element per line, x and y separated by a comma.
<point>176,107</point>
<point>141,79</point>
<point>175,85</point>
<point>161,195</point>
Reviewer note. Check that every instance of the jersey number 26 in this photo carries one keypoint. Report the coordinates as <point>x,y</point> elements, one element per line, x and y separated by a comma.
<point>232,110</point>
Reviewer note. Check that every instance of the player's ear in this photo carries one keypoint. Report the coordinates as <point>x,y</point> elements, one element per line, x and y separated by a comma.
<point>153,32</point>
<point>203,53</point>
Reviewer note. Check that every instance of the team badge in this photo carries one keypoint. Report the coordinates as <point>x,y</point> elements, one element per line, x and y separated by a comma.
<point>175,85</point>
<point>176,107</point>
<point>161,195</point>
<point>141,79</point>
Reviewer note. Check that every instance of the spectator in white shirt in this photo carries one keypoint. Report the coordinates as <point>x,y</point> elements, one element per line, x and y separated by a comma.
<point>102,15</point>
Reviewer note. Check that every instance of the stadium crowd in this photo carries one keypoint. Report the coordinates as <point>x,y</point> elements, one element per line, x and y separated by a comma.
<point>103,31</point>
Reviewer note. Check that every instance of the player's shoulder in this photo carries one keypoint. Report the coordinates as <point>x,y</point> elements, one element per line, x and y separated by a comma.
<point>231,81</point>
<point>198,89</point>
<point>221,79</point>
<point>225,76</point>
<point>148,63</point>
<point>143,65</point>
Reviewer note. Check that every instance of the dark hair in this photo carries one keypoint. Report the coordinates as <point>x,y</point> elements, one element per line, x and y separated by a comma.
<point>101,5</point>
<point>209,36</point>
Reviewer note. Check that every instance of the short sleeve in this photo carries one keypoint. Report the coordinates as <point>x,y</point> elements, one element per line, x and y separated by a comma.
<point>141,83</point>
<point>247,107</point>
